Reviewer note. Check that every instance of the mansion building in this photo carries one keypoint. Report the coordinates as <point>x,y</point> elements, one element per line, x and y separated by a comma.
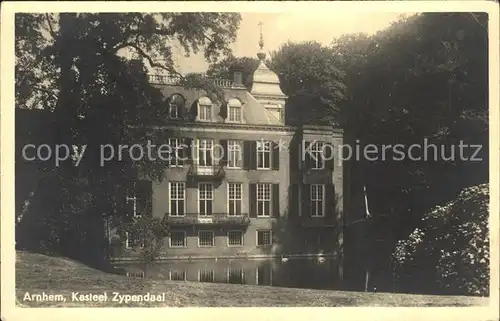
<point>244,181</point>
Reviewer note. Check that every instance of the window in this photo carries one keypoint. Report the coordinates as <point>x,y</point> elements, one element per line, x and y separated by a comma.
<point>177,239</point>
<point>136,274</point>
<point>176,154</point>
<point>177,275</point>
<point>138,198</point>
<point>317,156</point>
<point>206,275</point>
<point>263,199</point>
<point>205,238</point>
<point>264,238</point>
<point>234,154</point>
<point>234,238</point>
<point>234,199</point>
<point>204,109</point>
<point>133,240</point>
<point>263,155</point>
<point>234,108</point>
<point>317,200</point>
<point>131,202</point>
<point>205,152</point>
<point>175,106</point>
<point>177,198</point>
<point>235,276</point>
<point>205,197</point>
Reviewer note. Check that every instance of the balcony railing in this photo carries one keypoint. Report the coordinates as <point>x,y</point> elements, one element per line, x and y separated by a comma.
<point>213,219</point>
<point>206,172</point>
<point>175,80</point>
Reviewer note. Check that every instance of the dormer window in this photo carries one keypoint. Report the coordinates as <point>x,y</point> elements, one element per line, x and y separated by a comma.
<point>234,111</point>
<point>204,109</point>
<point>275,110</point>
<point>175,106</point>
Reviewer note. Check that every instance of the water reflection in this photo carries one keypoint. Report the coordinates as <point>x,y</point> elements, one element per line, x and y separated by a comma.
<point>311,273</point>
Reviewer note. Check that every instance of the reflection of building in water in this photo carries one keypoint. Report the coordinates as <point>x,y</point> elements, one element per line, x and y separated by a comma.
<point>247,177</point>
<point>294,273</point>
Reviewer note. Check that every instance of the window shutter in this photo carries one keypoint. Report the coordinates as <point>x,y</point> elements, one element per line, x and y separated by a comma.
<point>293,200</point>
<point>144,197</point>
<point>330,200</point>
<point>252,200</point>
<point>329,156</point>
<point>224,151</point>
<point>275,199</point>
<point>189,145</point>
<point>120,202</point>
<point>275,156</point>
<point>306,200</point>
<point>306,161</point>
<point>250,155</point>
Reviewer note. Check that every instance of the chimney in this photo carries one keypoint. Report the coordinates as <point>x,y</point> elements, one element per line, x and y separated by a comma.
<point>237,77</point>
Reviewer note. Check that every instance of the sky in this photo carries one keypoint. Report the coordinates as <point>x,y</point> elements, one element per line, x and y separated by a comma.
<point>278,28</point>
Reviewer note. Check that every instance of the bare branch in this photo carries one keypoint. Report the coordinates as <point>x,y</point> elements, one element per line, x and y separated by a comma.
<point>51,29</point>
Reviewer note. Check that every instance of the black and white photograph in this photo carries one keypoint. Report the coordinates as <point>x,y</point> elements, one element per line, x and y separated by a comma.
<point>240,156</point>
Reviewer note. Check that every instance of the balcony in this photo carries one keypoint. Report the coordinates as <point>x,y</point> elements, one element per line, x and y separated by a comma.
<point>214,219</point>
<point>208,173</point>
<point>176,80</point>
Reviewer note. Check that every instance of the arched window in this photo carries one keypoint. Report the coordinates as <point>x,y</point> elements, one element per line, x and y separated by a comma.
<point>175,106</point>
<point>204,108</point>
<point>234,111</point>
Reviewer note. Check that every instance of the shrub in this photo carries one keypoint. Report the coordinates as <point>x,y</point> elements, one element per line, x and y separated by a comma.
<point>451,245</point>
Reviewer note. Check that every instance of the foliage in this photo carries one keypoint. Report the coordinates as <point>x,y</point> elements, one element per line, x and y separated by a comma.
<point>453,243</point>
<point>423,78</point>
<point>310,77</point>
<point>151,231</point>
<point>76,66</point>
<point>223,69</point>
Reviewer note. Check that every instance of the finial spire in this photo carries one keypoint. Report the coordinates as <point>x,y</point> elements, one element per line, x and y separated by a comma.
<point>261,54</point>
<point>261,42</point>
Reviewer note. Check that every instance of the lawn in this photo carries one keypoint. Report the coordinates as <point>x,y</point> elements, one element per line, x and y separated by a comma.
<point>36,273</point>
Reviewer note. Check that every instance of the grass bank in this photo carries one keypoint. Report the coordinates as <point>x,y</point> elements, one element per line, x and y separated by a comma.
<point>36,274</point>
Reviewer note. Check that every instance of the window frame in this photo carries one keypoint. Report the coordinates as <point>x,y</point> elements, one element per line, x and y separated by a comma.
<point>170,199</point>
<point>177,246</point>
<point>317,149</point>
<point>234,147</point>
<point>314,201</point>
<point>270,238</point>
<point>203,147</point>
<point>176,152</point>
<point>206,231</point>
<point>172,106</point>
<point>242,237</point>
<point>264,147</point>
<point>206,200</point>
<point>229,199</point>
<point>207,112</point>
<point>267,190</point>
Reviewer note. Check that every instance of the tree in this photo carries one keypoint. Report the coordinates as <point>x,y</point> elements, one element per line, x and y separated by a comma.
<point>309,76</point>
<point>223,69</point>
<point>423,78</point>
<point>98,97</point>
<point>451,245</point>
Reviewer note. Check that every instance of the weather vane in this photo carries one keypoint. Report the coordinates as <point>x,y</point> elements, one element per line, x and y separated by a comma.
<point>261,42</point>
